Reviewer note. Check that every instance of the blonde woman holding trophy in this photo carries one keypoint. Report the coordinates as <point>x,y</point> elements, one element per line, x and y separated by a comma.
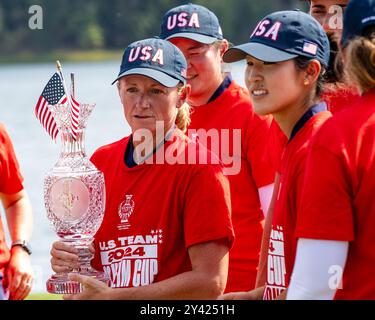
<point>166,230</point>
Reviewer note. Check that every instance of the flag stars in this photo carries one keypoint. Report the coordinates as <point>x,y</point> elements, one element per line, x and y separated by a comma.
<point>54,90</point>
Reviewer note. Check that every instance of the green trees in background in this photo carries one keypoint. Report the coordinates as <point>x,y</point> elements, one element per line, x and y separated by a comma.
<point>112,24</point>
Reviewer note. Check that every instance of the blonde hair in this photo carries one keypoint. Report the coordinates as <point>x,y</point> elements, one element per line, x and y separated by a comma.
<point>219,43</point>
<point>183,113</point>
<point>360,55</point>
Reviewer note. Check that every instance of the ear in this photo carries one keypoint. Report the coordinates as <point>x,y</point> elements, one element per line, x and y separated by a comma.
<point>183,96</point>
<point>224,47</point>
<point>312,72</point>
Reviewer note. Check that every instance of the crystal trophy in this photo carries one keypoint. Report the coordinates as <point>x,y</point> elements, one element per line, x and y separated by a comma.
<point>74,197</point>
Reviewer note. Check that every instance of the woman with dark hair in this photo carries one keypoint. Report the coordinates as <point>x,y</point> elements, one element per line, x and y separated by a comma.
<point>286,58</point>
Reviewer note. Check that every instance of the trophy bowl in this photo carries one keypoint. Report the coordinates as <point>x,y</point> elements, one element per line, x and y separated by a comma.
<point>74,197</point>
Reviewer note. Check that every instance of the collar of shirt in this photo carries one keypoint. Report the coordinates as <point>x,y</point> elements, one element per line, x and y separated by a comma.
<point>129,152</point>
<point>223,86</point>
<point>320,107</point>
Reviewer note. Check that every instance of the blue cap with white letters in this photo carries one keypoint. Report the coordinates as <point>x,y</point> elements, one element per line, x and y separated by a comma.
<point>191,21</point>
<point>155,58</point>
<point>284,35</point>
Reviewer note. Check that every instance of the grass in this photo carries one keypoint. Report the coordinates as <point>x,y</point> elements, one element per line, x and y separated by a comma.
<point>44,296</point>
<point>65,55</point>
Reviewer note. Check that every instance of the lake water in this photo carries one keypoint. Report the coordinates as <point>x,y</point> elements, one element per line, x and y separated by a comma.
<point>20,88</point>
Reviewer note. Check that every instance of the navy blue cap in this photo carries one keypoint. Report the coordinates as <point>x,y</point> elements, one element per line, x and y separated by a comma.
<point>284,35</point>
<point>191,21</point>
<point>155,58</point>
<point>359,14</point>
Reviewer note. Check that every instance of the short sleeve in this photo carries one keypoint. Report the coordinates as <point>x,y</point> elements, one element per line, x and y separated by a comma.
<point>326,210</point>
<point>207,207</point>
<point>257,144</point>
<point>96,158</point>
<point>10,175</point>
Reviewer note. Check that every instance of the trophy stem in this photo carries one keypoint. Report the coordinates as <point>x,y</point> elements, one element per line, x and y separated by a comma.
<point>84,253</point>
<point>61,284</point>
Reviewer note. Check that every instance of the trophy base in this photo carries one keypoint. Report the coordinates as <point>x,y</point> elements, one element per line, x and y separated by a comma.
<point>60,283</point>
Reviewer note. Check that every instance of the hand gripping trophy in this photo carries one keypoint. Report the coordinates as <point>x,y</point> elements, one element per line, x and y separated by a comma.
<point>74,190</point>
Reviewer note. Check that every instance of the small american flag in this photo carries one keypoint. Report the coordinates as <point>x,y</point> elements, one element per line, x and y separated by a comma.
<point>52,94</point>
<point>311,48</point>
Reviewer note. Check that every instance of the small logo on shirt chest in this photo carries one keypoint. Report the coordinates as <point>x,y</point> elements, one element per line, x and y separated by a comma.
<point>125,210</point>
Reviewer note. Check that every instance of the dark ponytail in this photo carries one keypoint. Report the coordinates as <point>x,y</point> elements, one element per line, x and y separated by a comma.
<point>335,71</point>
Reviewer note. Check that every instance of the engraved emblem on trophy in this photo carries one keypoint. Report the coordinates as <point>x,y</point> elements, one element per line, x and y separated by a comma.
<point>74,189</point>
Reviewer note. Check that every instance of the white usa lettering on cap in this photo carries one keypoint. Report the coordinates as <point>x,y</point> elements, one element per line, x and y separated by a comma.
<point>146,53</point>
<point>183,20</point>
<point>272,32</point>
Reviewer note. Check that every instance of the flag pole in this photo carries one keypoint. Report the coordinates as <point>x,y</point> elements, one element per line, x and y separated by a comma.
<point>59,68</point>
<point>72,85</point>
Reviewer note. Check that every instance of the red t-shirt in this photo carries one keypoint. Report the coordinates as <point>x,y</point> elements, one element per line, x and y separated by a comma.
<point>246,134</point>
<point>282,243</point>
<point>338,198</point>
<point>340,98</point>
<point>155,212</point>
<point>336,99</point>
<point>10,183</point>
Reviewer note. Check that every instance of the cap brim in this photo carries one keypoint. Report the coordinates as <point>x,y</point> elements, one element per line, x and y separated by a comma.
<point>156,75</point>
<point>258,51</point>
<point>194,36</point>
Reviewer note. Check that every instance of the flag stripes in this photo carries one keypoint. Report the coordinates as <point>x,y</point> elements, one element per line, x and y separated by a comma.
<point>54,93</point>
<point>45,117</point>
